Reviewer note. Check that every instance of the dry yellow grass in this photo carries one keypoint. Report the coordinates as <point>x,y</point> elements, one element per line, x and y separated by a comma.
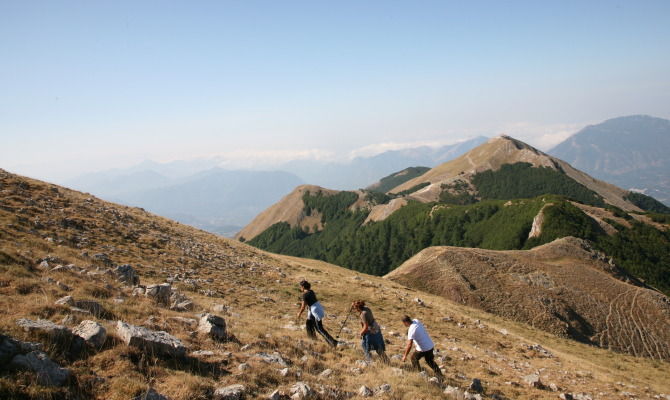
<point>260,293</point>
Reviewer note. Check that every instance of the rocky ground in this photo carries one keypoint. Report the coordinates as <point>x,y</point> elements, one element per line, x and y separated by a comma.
<point>110,302</point>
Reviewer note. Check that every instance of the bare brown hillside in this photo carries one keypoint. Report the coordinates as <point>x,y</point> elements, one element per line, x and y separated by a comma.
<point>55,243</point>
<point>289,209</point>
<point>563,287</point>
<point>491,156</point>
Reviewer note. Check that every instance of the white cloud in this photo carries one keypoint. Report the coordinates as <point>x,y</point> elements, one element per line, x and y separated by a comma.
<point>251,158</point>
<point>378,148</point>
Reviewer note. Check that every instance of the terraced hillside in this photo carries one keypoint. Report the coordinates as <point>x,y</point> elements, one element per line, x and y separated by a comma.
<point>56,243</point>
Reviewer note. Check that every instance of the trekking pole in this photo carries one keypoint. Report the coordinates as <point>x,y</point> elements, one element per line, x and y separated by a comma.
<point>344,323</point>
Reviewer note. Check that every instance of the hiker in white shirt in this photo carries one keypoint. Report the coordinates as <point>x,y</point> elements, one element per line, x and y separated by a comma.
<point>417,334</point>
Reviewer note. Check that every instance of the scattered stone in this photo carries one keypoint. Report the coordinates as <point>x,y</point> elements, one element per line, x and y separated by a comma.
<point>434,381</point>
<point>419,302</point>
<point>565,396</point>
<point>471,396</point>
<point>202,353</point>
<point>10,347</point>
<point>476,386</point>
<point>326,373</point>
<point>220,308</point>
<point>186,305</point>
<point>284,372</point>
<point>533,380</point>
<point>553,387</point>
<point>44,327</point>
<point>232,392</point>
<point>361,363</point>
<point>213,326</point>
<point>274,358</point>
<point>156,342</point>
<point>397,371</point>
<point>301,391</point>
<point>365,391</point>
<point>69,320</point>
<point>356,371</point>
<point>139,291</point>
<point>383,389</point>
<point>151,394</point>
<point>276,395</point>
<point>243,367</point>
<point>65,301</point>
<point>160,293</point>
<point>44,265</point>
<point>92,332</point>
<point>48,372</point>
<point>453,392</point>
<point>581,396</point>
<point>63,286</point>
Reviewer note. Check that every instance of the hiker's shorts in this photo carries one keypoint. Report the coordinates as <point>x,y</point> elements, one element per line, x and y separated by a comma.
<point>373,341</point>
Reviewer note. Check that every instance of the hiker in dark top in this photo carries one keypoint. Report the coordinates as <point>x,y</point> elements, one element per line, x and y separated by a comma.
<point>315,314</point>
<point>371,333</point>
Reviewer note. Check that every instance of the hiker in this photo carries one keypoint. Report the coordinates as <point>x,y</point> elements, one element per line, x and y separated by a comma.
<point>424,345</point>
<point>315,314</point>
<point>371,333</point>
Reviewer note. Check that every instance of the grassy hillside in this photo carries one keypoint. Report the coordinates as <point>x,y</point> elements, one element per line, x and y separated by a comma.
<point>379,247</point>
<point>397,178</point>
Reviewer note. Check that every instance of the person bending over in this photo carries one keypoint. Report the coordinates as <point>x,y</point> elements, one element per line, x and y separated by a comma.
<point>417,334</point>
<point>315,314</point>
<point>371,333</point>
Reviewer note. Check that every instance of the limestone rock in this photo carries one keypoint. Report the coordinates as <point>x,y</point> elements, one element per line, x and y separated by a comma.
<point>274,358</point>
<point>126,274</point>
<point>301,391</point>
<point>453,392</point>
<point>48,372</point>
<point>43,326</point>
<point>92,332</point>
<point>232,392</point>
<point>155,342</point>
<point>326,373</point>
<point>383,389</point>
<point>213,326</point>
<point>65,301</point>
<point>151,394</point>
<point>533,380</point>
<point>160,293</point>
<point>365,391</point>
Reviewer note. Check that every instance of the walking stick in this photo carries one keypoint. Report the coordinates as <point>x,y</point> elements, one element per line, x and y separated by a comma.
<point>344,323</point>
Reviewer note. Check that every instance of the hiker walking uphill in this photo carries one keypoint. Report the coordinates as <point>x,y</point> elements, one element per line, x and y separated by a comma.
<point>315,314</point>
<point>417,334</point>
<point>371,333</point>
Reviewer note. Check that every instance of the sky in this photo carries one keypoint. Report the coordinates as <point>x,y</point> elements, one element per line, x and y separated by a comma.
<point>90,85</point>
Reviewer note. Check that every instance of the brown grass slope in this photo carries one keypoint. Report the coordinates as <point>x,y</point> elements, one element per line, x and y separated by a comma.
<point>563,287</point>
<point>497,152</point>
<point>288,209</point>
<point>256,293</point>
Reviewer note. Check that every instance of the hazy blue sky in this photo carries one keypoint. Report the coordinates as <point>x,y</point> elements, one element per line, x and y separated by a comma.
<point>86,85</point>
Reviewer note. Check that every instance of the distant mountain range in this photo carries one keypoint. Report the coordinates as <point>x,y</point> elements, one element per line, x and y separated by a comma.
<point>215,200</point>
<point>632,152</point>
<point>198,193</point>
<point>364,171</point>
